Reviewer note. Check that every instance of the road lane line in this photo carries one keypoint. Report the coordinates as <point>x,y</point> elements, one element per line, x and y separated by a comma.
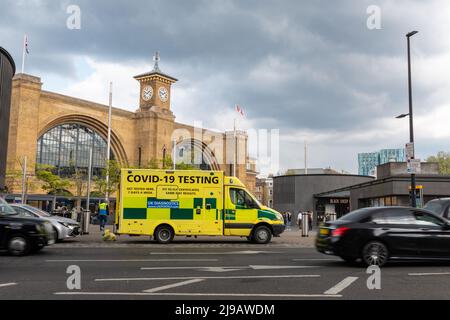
<point>135,260</point>
<point>173,285</point>
<point>214,277</point>
<point>321,259</point>
<point>7,284</point>
<point>212,253</point>
<point>429,274</point>
<point>263,295</point>
<point>226,268</point>
<point>341,285</point>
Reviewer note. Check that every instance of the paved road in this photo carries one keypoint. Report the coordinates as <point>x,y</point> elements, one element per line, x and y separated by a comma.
<point>170,272</point>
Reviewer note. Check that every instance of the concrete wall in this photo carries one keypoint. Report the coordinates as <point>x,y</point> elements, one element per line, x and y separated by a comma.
<point>398,168</point>
<point>296,192</point>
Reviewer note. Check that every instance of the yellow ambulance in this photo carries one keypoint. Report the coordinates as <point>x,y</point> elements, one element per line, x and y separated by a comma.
<point>165,203</point>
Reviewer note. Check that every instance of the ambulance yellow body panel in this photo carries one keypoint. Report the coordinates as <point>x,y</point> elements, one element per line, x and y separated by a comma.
<point>165,203</point>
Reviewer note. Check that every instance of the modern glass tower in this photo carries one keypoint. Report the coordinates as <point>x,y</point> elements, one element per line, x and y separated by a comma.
<point>368,162</point>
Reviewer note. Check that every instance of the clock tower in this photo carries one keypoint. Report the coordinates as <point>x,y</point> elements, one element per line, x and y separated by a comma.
<point>155,88</point>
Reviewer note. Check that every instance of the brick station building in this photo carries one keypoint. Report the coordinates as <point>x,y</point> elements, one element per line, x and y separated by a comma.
<point>53,129</point>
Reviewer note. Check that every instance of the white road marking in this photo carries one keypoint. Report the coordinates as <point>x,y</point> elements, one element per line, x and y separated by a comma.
<point>218,277</point>
<point>341,285</point>
<point>135,260</point>
<point>254,267</point>
<point>321,259</point>
<point>227,268</point>
<point>213,253</point>
<point>429,274</point>
<point>263,295</point>
<point>174,285</point>
<point>7,284</point>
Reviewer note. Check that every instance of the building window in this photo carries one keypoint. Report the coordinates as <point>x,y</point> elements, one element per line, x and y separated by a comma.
<point>68,146</point>
<point>270,191</point>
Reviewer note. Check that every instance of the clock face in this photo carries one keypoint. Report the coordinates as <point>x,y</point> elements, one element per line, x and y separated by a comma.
<point>147,93</point>
<point>163,94</point>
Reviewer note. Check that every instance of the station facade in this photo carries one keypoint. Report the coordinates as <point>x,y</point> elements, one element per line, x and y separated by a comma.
<point>57,130</point>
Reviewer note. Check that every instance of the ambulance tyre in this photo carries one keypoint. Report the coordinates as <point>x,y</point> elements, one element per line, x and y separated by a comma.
<point>164,234</point>
<point>261,235</point>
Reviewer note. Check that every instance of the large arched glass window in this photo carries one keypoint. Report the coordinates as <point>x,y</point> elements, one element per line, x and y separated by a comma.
<point>67,147</point>
<point>190,153</point>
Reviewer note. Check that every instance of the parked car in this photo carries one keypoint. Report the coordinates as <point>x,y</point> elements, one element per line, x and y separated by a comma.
<point>376,235</point>
<point>63,227</point>
<point>21,235</point>
<point>441,207</point>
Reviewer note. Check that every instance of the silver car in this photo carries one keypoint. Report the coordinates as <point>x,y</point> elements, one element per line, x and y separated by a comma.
<point>64,227</point>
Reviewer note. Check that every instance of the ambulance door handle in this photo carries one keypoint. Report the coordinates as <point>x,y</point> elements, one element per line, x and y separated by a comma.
<point>208,206</point>
<point>198,211</point>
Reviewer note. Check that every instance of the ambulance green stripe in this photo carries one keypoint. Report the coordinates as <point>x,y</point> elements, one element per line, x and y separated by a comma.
<point>198,202</point>
<point>135,213</point>
<point>181,214</point>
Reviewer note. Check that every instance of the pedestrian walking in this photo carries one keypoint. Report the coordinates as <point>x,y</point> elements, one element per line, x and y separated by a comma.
<point>103,212</point>
<point>289,219</point>
<point>310,220</point>
<point>299,220</point>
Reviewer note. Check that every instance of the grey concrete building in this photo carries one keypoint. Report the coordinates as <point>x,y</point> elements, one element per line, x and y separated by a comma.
<point>392,186</point>
<point>296,193</point>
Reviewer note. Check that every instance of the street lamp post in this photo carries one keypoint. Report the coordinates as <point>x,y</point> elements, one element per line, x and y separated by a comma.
<point>410,114</point>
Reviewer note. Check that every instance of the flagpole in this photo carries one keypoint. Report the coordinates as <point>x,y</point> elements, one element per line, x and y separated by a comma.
<point>174,153</point>
<point>23,52</point>
<point>235,147</point>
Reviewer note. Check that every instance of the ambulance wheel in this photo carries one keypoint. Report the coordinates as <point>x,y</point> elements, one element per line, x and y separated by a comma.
<point>164,234</point>
<point>262,235</point>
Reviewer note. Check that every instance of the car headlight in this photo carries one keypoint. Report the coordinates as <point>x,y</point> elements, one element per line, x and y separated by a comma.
<point>39,228</point>
<point>64,224</point>
<point>280,216</point>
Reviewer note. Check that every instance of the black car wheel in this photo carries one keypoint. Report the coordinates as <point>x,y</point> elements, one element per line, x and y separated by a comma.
<point>262,235</point>
<point>375,253</point>
<point>164,234</point>
<point>18,245</point>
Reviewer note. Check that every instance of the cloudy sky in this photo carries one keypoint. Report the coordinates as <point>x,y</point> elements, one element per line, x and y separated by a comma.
<point>312,69</point>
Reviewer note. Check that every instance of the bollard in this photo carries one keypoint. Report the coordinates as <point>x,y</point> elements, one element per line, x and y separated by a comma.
<point>87,219</point>
<point>305,225</point>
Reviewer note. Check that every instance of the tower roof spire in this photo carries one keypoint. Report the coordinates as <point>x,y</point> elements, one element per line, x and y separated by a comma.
<point>156,58</point>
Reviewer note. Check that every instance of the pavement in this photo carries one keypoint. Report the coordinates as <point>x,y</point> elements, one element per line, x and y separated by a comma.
<point>202,269</point>
<point>291,238</point>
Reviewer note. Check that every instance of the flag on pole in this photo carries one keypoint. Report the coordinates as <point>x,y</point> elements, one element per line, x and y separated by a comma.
<point>26,45</point>
<point>240,110</point>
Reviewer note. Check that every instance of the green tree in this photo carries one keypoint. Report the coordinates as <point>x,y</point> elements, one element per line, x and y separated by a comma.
<point>443,159</point>
<point>52,183</point>
<point>114,178</point>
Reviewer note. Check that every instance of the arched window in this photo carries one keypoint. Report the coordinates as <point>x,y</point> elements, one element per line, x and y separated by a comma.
<point>194,154</point>
<point>67,147</point>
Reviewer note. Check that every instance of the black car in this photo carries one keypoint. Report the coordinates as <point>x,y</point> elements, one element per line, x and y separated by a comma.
<point>441,207</point>
<point>21,235</point>
<point>376,235</point>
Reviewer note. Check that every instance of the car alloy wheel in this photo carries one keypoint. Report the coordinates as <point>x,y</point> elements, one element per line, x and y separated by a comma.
<point>375,253</point>
<point>18,245</point>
